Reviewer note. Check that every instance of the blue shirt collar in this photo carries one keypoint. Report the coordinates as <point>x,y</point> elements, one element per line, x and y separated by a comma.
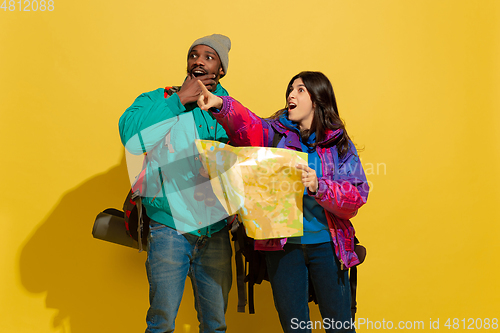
<point>295,127</point>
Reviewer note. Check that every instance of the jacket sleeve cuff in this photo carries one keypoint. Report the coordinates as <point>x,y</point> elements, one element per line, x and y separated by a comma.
<point>312,194</point>
<point>174,105</point>
<point>322,188</point>
<point>226,105</point>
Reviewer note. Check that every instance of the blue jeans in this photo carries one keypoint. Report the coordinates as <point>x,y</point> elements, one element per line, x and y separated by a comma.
<point>172,257</point>
<point>289,273</point>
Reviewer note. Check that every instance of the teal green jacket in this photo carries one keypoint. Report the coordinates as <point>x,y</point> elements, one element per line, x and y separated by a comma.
<point>166,130</point>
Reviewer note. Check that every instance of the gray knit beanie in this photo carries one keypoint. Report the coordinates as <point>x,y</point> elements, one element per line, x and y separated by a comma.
<point>220,43</point>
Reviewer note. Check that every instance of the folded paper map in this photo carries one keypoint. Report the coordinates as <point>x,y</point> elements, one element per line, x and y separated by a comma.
<point>261,185</point>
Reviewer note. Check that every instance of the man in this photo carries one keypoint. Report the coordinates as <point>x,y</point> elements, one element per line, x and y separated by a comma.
<point>188,236</point>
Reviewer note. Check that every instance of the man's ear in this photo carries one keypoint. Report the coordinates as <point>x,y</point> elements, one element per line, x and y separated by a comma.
<point>221,71</point>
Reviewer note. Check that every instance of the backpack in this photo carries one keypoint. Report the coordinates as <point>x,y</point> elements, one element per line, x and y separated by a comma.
<point>130,226</point>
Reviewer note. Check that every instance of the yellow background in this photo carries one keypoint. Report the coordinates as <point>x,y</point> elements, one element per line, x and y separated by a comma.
<point>417,83</point>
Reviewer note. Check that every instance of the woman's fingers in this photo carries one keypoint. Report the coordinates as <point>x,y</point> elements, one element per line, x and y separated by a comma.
<point>208,100</point>
<point>201,102</point>
<point>204,96</point>
<point>303,167</point>
<point>204,89</point>
<point>306,170</point>
<point>309,178</point>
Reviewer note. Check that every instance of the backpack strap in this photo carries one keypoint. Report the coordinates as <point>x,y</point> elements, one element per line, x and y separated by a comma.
<point>353,281</point>
<point>250,267</point>
<point>353,275</point>
<point>239,247</point>
<point>169,91</point>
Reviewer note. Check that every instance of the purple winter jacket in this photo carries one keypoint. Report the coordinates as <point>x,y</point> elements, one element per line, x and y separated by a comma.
<point>342,189</point>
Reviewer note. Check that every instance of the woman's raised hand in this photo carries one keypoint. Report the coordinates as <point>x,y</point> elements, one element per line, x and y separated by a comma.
<point>208,100</point>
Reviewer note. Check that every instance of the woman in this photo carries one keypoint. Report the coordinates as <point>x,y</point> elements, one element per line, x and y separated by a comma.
<point>335,187</point>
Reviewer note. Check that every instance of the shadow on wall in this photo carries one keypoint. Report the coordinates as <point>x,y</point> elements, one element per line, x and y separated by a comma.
<point>101,287</point>
<point>97,286</point>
